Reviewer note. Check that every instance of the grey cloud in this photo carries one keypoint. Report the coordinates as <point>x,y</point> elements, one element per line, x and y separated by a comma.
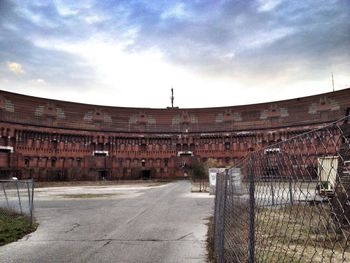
<point>320,41</point>
<point>217,37</point>
<point>319,34</point>
<point>16,44</point>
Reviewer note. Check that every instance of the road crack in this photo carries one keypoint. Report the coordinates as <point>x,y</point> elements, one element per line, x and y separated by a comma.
<point>107,243</point>
<point>182,237</point>
<point>73,227</point>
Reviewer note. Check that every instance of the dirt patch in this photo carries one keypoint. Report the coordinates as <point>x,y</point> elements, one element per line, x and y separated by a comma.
<point>200,186</point>
<point>89,195</point>
<point>156,184</point>
<point>99,183</point>
<point>210,240</point>
<point>300,232</point>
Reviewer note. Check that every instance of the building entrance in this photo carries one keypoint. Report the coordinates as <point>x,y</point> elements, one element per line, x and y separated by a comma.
<point>146,174</point>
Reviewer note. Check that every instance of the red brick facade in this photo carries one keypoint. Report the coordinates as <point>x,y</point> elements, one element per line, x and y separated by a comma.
<point>56,140</point>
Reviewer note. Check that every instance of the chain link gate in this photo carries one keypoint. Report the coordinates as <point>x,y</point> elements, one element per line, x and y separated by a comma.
<point>288,202</point>
<point>17,196</point>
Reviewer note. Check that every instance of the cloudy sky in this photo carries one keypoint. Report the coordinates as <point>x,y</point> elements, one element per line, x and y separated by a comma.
<point>213,53</point>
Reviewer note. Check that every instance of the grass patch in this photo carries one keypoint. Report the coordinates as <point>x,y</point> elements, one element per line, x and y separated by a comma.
<point>89,195</point>
<point>98,183</point>
<point>157,184</point>
<point>272,256</point>
<point>291,233</point>
<point>302,232</point>
<point>13,226</point>
<point>200,187</point>
<point>210,240</point>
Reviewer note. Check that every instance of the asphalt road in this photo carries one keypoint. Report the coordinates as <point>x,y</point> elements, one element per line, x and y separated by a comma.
<point>143,224</point>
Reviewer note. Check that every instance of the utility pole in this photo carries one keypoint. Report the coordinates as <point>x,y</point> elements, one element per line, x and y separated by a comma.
<point>332,81</point>
<point>172,97</point>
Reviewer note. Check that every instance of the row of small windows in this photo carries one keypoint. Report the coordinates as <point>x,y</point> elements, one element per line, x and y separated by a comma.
<point>53,162</point>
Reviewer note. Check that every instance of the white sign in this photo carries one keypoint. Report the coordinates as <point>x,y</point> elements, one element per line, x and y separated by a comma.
<point>236,179</point>
<point>212,178</point>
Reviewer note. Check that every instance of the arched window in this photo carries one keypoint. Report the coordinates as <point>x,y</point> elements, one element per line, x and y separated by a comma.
<point>26,162</point>
<point>53,162</point>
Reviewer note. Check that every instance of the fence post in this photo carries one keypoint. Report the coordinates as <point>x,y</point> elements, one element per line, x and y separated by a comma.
<point>19,198</point>
<point>32,206</point>
<point>219,221</point>
<point>290,190</point>
<point>272,193</point>
<point>30,202</point>
<point>29,194</point>
<point>7,201</point>
<point>217,217</point>
<point>216,213</point>
<point>251,258</point>
<point>222,216</point>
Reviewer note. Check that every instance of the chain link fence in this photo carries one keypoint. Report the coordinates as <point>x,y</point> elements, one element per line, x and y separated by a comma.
<point>288,202</point>
<point>16,197</point>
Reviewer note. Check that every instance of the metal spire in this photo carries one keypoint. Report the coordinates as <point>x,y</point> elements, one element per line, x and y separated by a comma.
<point>172,97</point>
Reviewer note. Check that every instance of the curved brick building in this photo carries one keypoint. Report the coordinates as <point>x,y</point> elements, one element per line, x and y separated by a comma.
<point>57,140</point>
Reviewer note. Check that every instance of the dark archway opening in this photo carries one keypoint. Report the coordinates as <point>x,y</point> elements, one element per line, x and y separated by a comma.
<point>146,174</point>
<point>102,175</point>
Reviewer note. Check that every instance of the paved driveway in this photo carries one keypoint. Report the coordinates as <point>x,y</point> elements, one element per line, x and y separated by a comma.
<point>163,223</point>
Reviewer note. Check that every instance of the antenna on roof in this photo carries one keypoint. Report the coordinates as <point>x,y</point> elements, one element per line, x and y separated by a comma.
<point>332,81</point>
<point>172,97</point>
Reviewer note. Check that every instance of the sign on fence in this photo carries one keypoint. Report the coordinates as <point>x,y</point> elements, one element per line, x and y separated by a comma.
<point>212,178</point>
<point>236,180</point>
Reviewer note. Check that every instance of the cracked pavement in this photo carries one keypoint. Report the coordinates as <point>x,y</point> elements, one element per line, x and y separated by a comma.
<point>163,223</point>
